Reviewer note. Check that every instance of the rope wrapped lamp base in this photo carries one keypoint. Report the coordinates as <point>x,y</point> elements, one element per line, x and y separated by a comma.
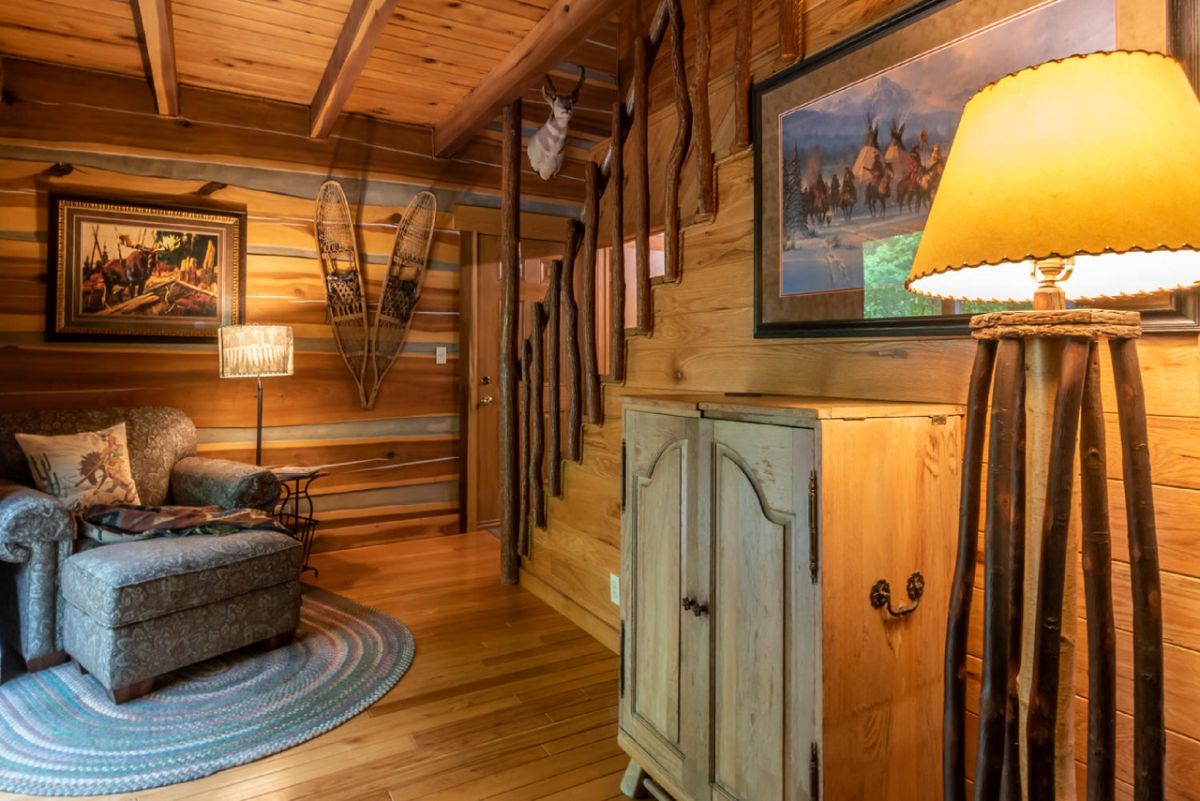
<point>1078,415</point>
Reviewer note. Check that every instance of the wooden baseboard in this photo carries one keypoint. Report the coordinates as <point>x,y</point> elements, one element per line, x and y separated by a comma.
<point>571,610</point>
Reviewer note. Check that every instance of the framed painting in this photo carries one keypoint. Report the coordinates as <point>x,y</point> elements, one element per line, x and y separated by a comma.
<point>125,269</point>
<point>850,146</point>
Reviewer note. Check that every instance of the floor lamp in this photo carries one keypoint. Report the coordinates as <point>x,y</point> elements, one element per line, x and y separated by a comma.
<point>1069,180</point>
<point>255,351</point>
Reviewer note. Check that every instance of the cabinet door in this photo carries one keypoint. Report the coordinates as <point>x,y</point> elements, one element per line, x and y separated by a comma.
<point>765,650</point>
<point>889,498</point>
<point>658,522</point>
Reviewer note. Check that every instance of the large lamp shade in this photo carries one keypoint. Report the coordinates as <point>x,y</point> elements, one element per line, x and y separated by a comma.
<point>255,351</point>
<point>1092,159</point>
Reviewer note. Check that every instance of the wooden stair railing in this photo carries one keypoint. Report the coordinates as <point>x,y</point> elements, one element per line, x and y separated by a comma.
<point>560,328</point>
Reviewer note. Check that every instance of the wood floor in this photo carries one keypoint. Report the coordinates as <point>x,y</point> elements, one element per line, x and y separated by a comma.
<point>506,699</point>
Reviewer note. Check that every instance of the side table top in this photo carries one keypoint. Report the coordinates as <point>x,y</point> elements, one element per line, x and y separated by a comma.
<point>291,472</point>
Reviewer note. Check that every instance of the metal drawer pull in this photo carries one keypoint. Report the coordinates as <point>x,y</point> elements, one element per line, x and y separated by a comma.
<point>881,595</point>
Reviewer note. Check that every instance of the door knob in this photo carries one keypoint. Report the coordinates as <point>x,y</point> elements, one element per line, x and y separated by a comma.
<point>485,379</point>
<point>485,400</point>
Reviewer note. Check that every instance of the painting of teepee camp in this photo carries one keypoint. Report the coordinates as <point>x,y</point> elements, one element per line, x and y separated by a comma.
<point>123,270</point>
<point>849,168</point>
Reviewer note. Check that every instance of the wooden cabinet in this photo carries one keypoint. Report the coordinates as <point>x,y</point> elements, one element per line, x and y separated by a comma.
<point>754,666</point>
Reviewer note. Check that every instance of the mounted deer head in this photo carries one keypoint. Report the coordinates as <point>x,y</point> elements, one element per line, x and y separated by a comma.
<point>546,147</point>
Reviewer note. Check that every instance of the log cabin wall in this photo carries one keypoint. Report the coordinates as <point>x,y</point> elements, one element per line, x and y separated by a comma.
<point>102,131</point>
<point>703,342</point>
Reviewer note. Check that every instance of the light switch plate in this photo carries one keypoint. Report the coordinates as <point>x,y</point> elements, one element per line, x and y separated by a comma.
<point>441,354</point>
<point>614,588</point>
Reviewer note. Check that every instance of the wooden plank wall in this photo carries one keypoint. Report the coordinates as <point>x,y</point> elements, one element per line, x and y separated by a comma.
<point>400,461</point>
<point>703,341</point>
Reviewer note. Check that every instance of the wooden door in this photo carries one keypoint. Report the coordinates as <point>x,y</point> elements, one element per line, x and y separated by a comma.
<point>889,497</point>
<point>659,524</point>
<point>481,421</point>
<point>765,648</point>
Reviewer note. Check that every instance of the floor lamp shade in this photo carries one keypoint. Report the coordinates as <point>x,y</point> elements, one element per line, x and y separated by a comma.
<point>1088,159</point>
<point>255,351</point>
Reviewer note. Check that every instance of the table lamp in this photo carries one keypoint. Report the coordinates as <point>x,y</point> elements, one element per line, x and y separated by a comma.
<point>255,351</point>
<point>1067,181</point>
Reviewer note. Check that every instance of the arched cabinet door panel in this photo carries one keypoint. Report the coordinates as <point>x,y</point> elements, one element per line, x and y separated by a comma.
<point>765,652</point>
<point>660,476</point>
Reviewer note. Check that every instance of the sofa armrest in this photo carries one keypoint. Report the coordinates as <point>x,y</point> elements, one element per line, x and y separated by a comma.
<point>28,516</point>
<point>196,481</point>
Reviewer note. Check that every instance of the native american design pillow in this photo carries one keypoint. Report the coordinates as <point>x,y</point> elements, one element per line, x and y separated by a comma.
<point>82,469</point>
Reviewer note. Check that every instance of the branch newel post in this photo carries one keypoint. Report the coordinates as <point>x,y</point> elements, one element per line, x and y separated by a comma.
<point>510,325</point>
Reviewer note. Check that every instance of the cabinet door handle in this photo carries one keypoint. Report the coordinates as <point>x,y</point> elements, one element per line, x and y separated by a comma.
<point>699,609</point>
<point>686,603</point>
<point>881,595</point>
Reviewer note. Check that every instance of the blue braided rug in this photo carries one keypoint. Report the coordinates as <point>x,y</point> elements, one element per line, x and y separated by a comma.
<point>62,736</point>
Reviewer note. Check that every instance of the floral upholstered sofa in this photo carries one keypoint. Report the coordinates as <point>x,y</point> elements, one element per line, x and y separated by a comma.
<point>130,611</point>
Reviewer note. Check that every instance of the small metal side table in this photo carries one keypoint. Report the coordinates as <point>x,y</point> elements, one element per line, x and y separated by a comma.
<point>295,507</point>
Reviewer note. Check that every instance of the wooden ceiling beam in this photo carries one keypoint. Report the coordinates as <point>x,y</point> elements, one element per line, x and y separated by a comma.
<point>564,26</point>
<point>158,47</point>
<point>364,23</point>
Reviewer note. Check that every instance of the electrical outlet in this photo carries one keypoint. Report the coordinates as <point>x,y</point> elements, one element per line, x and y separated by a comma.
<point>614,588</point>
<point>441,354</point>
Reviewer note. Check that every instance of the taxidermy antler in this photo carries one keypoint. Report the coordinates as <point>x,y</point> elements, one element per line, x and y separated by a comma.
<point>546,147</point>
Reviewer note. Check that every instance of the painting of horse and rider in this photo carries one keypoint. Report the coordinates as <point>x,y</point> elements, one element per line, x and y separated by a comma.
<point>145,270</point>
<point>858,168</point>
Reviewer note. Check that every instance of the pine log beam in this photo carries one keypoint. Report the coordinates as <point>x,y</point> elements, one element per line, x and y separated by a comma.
<point>1097,584</point>
<point>552,38</point>
<point>364,23</point>
<point>510,326</point>
<point>1005,463</point>
<point>672,232</point>
<point>1055,562</point>
<point>524,423</point>
<point>706,195</point>
<point>593,405</point>
<point>616,319</point>
<point>954,744</point>
<point>537,417</point>
<point>554,390</point>
<point>570,323</point>
<point>1149,733</point>
<point>641,186</point>
<point>743,40</point>
<point>158,46</point>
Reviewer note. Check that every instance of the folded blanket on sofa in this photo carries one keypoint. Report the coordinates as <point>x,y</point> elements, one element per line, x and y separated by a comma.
<point>110,523</point>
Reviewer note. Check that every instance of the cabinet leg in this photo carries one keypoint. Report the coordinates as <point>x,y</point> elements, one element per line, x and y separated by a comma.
<point>633,783</point>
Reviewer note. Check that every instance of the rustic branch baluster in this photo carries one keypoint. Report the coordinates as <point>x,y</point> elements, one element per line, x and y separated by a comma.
<point>523,419</point>
<point>510,326</point>
<point>672,235</point>
<point>706,196</point>
<point>587,306</point>
<point>641,185</point>
<point>554,391</point>
<point>616,186</point>
<point>741,74</point>
<point>537,417</point>
<point>570,322</point>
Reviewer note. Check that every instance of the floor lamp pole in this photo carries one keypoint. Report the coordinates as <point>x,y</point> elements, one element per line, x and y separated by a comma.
<point>258,440</point>
<point>1064,348</point>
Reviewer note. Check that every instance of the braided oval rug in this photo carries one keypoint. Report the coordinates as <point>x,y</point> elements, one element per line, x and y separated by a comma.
<point>61,735</point>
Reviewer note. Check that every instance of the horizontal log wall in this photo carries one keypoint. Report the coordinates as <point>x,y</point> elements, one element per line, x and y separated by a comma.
<point>703,342</point>
<point>397,466</point>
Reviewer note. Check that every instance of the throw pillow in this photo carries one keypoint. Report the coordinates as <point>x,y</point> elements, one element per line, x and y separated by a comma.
<point>82,469</point>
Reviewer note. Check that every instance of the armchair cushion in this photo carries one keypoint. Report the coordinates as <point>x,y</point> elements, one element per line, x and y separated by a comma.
<point>196,481</point>
<point>28,516</point>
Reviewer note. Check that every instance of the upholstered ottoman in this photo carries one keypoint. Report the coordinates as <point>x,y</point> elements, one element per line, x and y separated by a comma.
<point>133,611</point>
